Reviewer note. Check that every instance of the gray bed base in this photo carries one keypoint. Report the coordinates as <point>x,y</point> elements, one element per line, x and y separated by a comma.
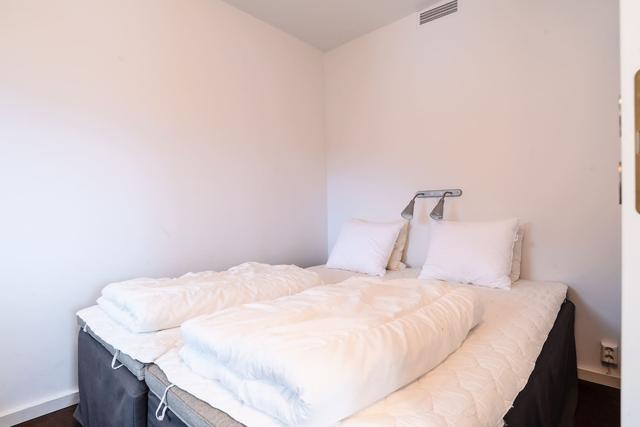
<point>108,397</point>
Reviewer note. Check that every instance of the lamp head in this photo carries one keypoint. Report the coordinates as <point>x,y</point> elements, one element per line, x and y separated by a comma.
<point>407,213</point>
<point>438,211</point>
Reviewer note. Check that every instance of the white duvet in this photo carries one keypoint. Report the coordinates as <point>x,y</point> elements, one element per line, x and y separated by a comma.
<point>322,355</point>
<point>148,305</point>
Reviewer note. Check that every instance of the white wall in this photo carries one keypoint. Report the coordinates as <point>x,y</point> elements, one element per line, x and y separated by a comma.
<point>148,137</point>
<point>630,54</point>
<point>515,102</point>
<point>160,136</point>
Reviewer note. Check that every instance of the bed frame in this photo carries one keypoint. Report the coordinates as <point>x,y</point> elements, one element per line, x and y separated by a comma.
<point>116,398</point>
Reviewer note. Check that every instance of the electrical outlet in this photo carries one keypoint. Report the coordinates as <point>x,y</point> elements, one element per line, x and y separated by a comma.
<point>609,353</point>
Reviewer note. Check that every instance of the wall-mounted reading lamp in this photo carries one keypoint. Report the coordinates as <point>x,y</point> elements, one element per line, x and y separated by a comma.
<point>437,212</point>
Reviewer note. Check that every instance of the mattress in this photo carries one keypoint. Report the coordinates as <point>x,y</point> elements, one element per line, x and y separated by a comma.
<point>476,386</point>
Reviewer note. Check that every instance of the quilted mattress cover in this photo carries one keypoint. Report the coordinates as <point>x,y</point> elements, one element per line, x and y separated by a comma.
<point>475,386</point>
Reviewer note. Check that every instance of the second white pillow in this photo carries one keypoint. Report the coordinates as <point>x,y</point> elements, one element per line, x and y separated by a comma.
<point>479,253</point>
<point>364,247</point>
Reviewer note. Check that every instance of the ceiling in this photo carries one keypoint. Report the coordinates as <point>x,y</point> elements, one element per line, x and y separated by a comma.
<point>327,24</point>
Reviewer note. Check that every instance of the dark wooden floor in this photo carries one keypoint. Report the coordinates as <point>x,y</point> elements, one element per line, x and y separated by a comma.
<point>61,418</point>
<point>598,406</point>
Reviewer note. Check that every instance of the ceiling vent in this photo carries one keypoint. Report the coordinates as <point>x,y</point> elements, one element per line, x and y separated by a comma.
<point>438,12</point>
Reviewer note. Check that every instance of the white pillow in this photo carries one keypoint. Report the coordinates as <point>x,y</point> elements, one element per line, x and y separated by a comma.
<point>480,253</point>
<point>395,260</point>
<point>364,247</point>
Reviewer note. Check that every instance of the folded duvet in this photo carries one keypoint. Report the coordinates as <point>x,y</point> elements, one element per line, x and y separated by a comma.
<point>315,358</point>
<point>147,305</point>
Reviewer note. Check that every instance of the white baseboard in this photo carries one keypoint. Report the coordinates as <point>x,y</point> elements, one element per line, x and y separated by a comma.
<point>599,378</point>
<point>37,409</point>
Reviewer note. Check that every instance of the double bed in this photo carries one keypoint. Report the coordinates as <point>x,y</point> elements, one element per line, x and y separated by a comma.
<point>517,368</point>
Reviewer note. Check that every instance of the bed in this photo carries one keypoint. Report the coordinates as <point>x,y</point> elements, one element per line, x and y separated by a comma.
<point>472,387</point>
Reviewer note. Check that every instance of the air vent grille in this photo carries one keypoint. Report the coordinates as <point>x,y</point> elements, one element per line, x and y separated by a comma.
<point>438,12</point>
